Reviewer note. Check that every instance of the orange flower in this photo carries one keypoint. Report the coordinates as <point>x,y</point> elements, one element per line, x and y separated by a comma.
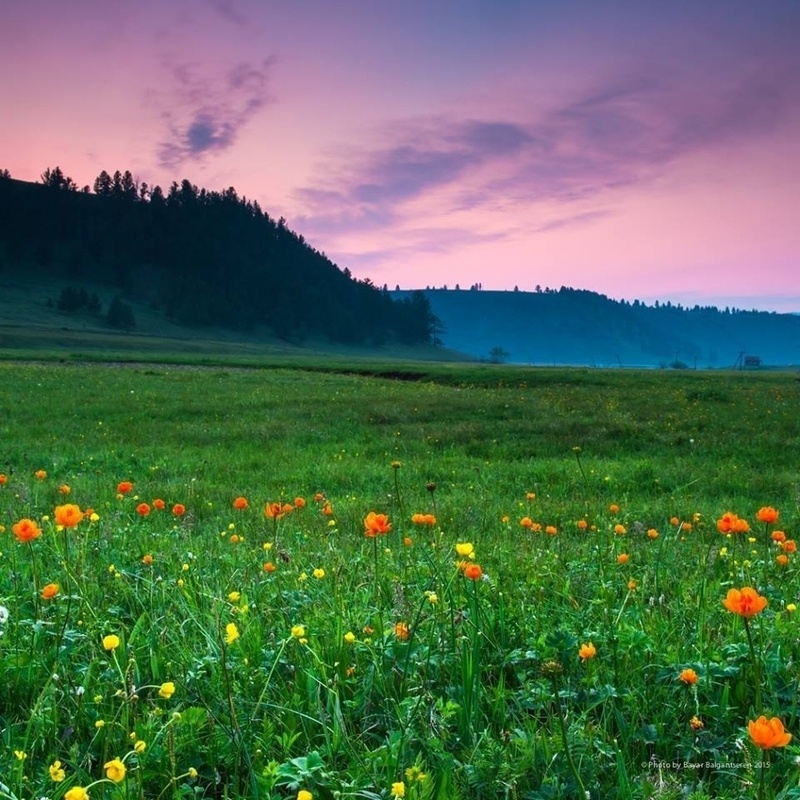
<point>64,488</point>
<point>767,514</point>
<point>768,733</point>
<point>376,525</point>
<point>50,591</point>
<point>473,571</point>
<point>620,530</point>
<point>40,474</point>
<point>674,521</point>
<point>68,515</point>
<point>3,478</point>
<point>273,511</point>
<point>319,497</point>
<point>123,487</point>
<point>778,536</point>
<point>696,724</point>
<point>147,559</point>
<point>179,509</point>
<point>143,509</point>
<point>526,522</point>
<point>401,631</point>
<point>551,530</point>
<point>782,559</point>
<point>687,526</point>
<point>299,502</point>
<point>688,676</point>
<point>423,519</point>
<point>745,602</point>
<point>587,651</point>
<point>240,503</point>
<point>789,546</point>
<point>730,523</point>
<point>159,504</point>
<point>26,530</point>
<point>269,567</point>
<point>614,508</point>
<point>623,558</point>
<point>407,541</point>
<point>582,524</point>
<point>530,496</point>
<point>652,534</point>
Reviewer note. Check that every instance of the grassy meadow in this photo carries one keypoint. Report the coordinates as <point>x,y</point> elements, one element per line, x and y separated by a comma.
<point>424,581</point>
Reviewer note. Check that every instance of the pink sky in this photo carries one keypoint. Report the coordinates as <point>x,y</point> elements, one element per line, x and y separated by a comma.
<point>641,150</point>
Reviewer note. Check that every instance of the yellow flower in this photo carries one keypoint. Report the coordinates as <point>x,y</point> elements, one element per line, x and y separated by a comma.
<point>56,771</point>
<point>231,633</point>
<point>398,789</point>
<point>167,690</point>
<point>234,597</point>
<point>139,746</point>
<point>20,755</point>
<point>115,770</point>
<point>100,723</point>
<point>192,772</point>
<point>587,651</point>
<point>111,642</point>
<point>791,607</point>
<point>298,631</point>
<point>77,793</point>
<point>304,794</point>
<point>465,549</point>
<point>319,572</point>
<point>349,637</point>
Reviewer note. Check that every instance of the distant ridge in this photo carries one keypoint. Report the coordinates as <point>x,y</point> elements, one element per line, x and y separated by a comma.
<point>579,327</point>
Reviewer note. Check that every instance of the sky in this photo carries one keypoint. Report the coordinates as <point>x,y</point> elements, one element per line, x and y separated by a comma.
<point>643,150</point>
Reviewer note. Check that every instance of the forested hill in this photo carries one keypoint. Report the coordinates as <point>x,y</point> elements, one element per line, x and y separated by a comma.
<point>203,258</point>
<point>572,326</point>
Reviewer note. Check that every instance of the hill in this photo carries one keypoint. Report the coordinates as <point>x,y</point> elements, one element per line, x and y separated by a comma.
<point>572,326</point>
<point>200,259</point>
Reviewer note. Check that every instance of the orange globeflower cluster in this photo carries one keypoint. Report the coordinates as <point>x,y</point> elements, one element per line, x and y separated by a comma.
<point>376,525</point>
<point>746,602</point>
<point>767,514</point>
<point>123,487</point>
<point>68,515</point>
<point>768,733</point>
<point>423,519</point>
<point>277,510</point>
<point>143,509</point>
<point>26,530</point>
<point>730,523</point>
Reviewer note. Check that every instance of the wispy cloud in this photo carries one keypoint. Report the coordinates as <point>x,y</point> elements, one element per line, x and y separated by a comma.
<point>203,112</point>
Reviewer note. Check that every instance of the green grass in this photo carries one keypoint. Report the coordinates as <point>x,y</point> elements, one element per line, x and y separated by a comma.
<point>487,696</point>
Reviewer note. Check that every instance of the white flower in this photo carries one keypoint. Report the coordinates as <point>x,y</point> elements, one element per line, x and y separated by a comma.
<point>3,615</point>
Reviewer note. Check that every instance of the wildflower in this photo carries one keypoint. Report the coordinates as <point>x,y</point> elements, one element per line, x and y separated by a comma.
<point>398,789</point>
<point>401,631</point>
<point>299,502</point>
<point>581,524</point>
<point>77,793</point>
<point>234,597</point>
<point>789,546</point>
<point>674,521</point>
<point>791,608</point>
<point>123,487</point>
<point>147,559</point>
<point>526,522</point>
<point>696,724</point>
<point>768,733</point>
<point>235,538</point>
<point>298,631</point>
<point>632,584</point>
<point>3,479</point>
<point>139,746</point>
<point>620,530</point>
<point>745,602</point>
<point>179,509</point>
<point>778,536</point>
<point>530,496</point>
<point>143,509</point>
<point>623,558</point>
<point>551,530</point>
<point>115,770</point>
<point>111,642</point>
<point>423,519</point>
<point>687,526</point>
<point>269,567</point>
<point>273,511</point>
<point>782,559</point>
<point>40,474</point>
<point>20,755</point>
<point>56,771</point>
<point>319,573</point>
<point>100,723</point>
<point>376,525</point>
<point>231,633</point>
<point>767,514</point>
<point>652,533</point>
<point>192,772</point>
<point>349,637</point>
<point>688,676</point>
<point>167,690</point>
<point>614,508</point>
<point>407,541</point>
<point>50,591</point>
<point>415,774</point>
<point>159,504</point>
<point>465,549</point>
<point>64,489</point>
<point>473,571</point>
<point>587,651</point>
<point>26,530</point>
<point>432,598</point>
<point>304,794</point>
<point>240,503</point>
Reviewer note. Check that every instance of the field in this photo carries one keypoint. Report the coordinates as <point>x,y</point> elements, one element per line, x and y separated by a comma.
<point>424,581</point>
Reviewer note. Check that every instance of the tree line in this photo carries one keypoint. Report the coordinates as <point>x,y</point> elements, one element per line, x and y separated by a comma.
<point>203,258</point>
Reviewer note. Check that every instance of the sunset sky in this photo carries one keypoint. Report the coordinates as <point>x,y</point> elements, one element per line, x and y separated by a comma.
<point>644,150</point>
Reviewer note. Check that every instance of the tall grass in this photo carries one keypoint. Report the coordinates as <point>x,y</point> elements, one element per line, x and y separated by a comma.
<point>269,654</point>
